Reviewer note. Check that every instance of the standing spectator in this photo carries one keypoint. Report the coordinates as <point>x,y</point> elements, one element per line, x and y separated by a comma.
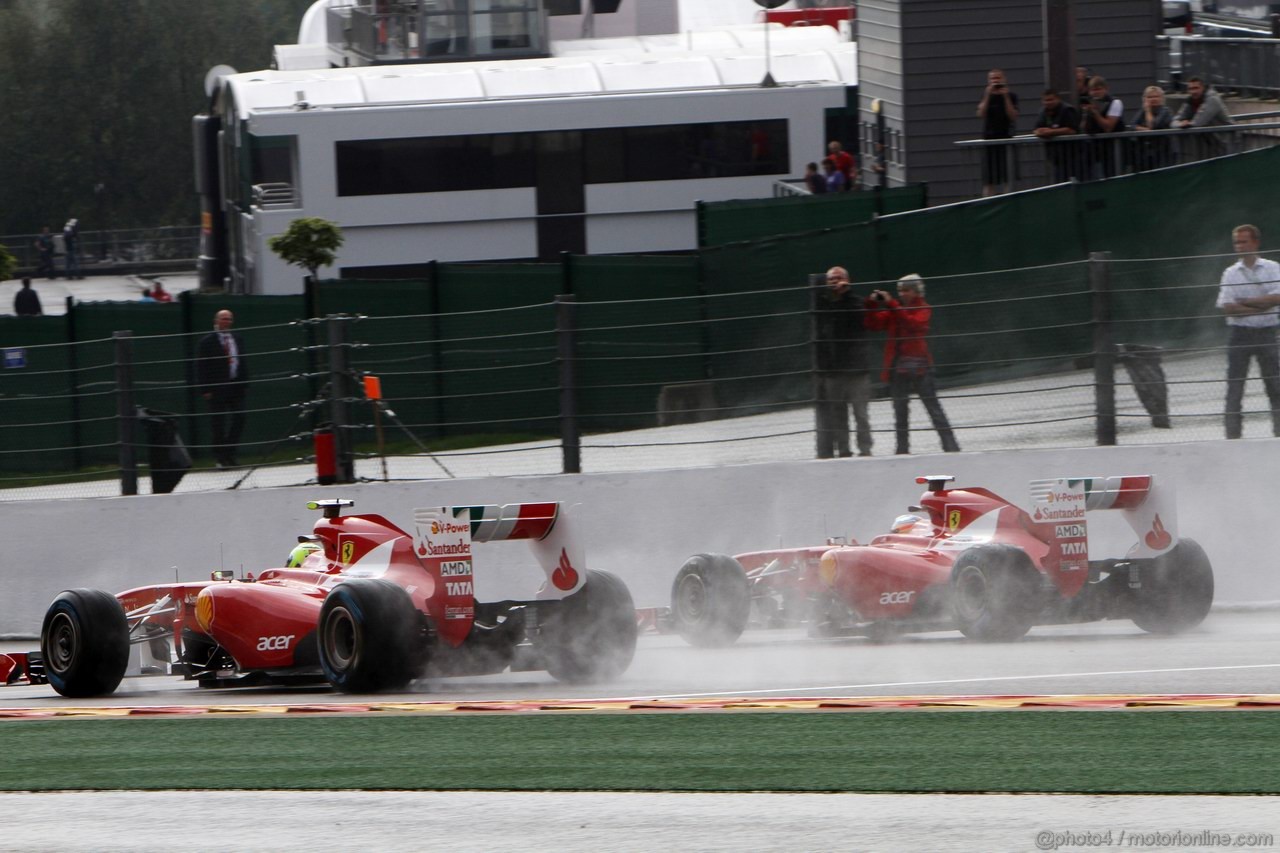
<point>146,295</point>
<point>222,378</point>
<point>1057,119</point>
<point>1082,85</point>
<point>908,364</point>
<point>844,366</point>
<point>1154,115</point>
<point>159,294</point>
<point>1248,296</point>
<point>998,110</point>
<point>26,302</point>
<point>844,163</point>
<point>835,178</point>
<point>1102,114</point>
<point>1204,108</point>
<point>44,245</point>
<point>71,242</point>
<point>814,180</point>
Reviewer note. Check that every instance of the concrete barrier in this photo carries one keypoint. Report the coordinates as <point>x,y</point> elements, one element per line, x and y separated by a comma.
<point>640,525</point>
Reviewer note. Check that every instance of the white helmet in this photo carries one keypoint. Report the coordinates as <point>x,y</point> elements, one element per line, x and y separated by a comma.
<point>904,523</point>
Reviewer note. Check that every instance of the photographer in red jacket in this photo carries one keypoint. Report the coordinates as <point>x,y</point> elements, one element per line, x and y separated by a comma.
<point>908,366</point>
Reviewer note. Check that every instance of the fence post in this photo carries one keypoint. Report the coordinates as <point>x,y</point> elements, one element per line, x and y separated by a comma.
<point>1104,351</point>
<point>126,412</point>
<point>339,392</point>
<point>570,440</point>
<point>823,438</point>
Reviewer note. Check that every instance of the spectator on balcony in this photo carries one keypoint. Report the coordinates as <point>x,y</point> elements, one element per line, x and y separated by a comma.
<point>814,180</point>
<point>1102,114</point>
<point>845,163</point>
<point>836,180</point>
<point>1058,119</point>
<point>26,302</point>
<point>998,110</point>
<point>222,378</point>
<point>1249,295</point>
<point>44,245</point>
<point>1204,108</point>
<point>1082,85</point>
<point>1154,115</point>
<point>908,364</point>
<point>71,243</point>
<point>843,363</point>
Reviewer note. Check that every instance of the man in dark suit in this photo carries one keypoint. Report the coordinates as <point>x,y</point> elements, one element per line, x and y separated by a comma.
<point>223,379</point>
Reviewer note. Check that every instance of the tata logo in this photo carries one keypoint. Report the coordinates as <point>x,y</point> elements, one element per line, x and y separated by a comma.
<point>275,644</point>
<point>902,597</point>
<point>458,588</point>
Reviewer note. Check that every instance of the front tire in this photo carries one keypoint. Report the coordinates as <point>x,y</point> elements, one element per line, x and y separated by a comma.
<point>1176,591</point>
<point>85,643</point>
<point>995,593</point>
<point>370,637</point>
<point>591,635</point>
<point>710,600</point>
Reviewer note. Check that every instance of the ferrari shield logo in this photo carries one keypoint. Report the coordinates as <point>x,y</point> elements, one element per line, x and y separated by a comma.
<point>348,551</point>
<point>953,519</point>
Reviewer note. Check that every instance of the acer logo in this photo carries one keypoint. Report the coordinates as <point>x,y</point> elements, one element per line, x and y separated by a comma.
<point>458,588</point>
<point>275,644</point>
<point>902,597</point>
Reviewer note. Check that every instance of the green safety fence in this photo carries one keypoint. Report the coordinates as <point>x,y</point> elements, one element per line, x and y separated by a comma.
<point>472,348</point>
<point>721,222</point>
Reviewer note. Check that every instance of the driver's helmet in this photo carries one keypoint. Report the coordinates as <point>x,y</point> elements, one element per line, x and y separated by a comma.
<point>301,551</point>
<point>904,523</point>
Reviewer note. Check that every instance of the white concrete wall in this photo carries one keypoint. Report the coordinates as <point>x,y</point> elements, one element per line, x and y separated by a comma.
<point>641,526</point>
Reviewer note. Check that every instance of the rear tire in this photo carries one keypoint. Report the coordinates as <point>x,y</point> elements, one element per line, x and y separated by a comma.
<point>85,643</point>
<point>995,593</point>
<point>710,600</point>
<point>1176,591</point>
<point>591,635</point>
<point>370,637</point>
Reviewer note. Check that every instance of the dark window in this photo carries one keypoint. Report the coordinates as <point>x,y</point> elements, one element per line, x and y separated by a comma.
<point>272,159</point>
<point>434,164</point>
<point>673,152</point>
<point>678,152</point>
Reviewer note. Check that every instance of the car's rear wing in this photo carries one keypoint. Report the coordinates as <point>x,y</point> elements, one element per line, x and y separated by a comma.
<point>1150,511</point>
<point>445,534</point>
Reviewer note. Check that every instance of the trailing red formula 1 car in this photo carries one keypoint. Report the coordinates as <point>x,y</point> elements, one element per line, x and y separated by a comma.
<point>373,608</point>
<point>964,559</point>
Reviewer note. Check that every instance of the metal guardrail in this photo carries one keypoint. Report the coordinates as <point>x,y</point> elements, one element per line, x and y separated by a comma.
<point>1249,66</point>
<point>1031,162</point>
<point>115,250</point>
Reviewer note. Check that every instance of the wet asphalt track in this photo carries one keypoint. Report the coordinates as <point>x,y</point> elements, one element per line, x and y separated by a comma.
<point>1233,652</point>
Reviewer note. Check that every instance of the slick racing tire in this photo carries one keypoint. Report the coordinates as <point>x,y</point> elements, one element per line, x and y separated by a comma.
<point>710,600</point>
<point>995,593</point>
<point>85,643</point>
<point>1176,590</point>
<point>370,637</point>
<point>591,635</point>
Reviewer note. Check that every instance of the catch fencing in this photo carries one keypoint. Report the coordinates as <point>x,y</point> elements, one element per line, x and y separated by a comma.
<point>1096,351</point>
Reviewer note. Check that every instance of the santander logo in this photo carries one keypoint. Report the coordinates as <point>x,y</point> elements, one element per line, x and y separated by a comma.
<point>565,575</point>
<point>1157,537</point>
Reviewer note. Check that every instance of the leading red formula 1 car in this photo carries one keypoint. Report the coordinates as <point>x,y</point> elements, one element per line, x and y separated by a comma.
<point>371,610</point>
<point>963,559</point>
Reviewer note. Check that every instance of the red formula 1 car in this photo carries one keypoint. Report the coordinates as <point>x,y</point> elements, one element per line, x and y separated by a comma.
<point>964,559</point>
<point>371,610</point>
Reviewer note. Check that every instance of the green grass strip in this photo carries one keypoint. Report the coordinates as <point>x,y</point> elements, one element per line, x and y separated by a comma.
<point>1075,751</point>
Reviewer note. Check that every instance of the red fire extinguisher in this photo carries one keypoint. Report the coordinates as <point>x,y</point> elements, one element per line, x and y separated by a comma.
<point>326,455</point>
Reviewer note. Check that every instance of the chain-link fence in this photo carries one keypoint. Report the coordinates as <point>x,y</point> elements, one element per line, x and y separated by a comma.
<point>1099,351</point>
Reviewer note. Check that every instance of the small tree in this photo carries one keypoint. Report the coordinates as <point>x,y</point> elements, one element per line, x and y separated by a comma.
<point>309,242</point>
<point>8,264</point>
